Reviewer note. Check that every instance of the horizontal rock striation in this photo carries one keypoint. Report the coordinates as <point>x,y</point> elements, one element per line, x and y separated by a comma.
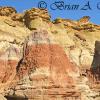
<point>46,70</point>
<point>43,55</point>
<point>34,14</point>
<point>33,66</point>
<point>8,63</point>
<point>7,11</point>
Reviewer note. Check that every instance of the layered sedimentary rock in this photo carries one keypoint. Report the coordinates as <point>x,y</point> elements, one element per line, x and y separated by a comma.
<point>10,55</point>
<point>84,20</point>
<point>45,68</point>
<point>33,14</point>
<point>7,11</point>
<point>65,22</point>
<point>84,24</point>
<point>36,67</point>
<point>41,53</point>
<point>17,17</point>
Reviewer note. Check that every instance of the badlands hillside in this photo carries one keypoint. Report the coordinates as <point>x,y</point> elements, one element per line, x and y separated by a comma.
<point>42,59</point>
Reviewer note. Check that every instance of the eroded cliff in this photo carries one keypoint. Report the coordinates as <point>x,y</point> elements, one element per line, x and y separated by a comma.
<point>42,59</point>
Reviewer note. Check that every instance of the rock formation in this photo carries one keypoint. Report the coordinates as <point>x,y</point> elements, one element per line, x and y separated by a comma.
<point>32,15</point>
<point>96,61</point>
<point>43,55</point>
<point>45,66</point>
<point>42,59</point>
<point>17,17</point>
<point>9,58</point>
<point>7,11</point>
<point>65,22</point>
<point>84,20</point>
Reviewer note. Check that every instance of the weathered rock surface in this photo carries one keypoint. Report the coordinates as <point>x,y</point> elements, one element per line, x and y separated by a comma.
<point>65,22</point>
<point>48,59</point>
<point>7,11</point>
<point>96,61</point>
<point>10,55</point>
<point>17,17</point>
<point>84,20</point>
<point>45,72</point>
<point>36,66</point>
<point>33,14</point>
<point>2,97</point>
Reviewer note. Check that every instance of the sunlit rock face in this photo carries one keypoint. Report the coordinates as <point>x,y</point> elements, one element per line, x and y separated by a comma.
<point>84,20</point>
<point>36,67</point>
<point>44,71</point>
<point>35,18</point>
<point>7,11</point>
<point>45,60</point>
<point>9,58</point>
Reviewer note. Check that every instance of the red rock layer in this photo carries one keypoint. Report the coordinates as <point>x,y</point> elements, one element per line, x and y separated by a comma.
<point>50,57</point>
<point>7,70</point>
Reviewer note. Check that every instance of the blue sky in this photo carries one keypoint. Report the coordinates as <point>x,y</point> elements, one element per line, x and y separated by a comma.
<point>94,13</point>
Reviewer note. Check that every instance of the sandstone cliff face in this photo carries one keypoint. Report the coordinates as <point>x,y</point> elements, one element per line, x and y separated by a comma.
<point>10,55</point>
<point>43,57</point>
<point>44,67</point>
<point>7,11</point>
<point>84,20</point>
<point>35,15</point>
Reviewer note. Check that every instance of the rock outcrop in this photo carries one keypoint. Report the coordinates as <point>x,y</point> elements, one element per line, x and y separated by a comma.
<point>43,55</point>
<point>17,17</point>
<point>7,11</point>
<point>96,61</point>
<point>46,68</point>
<point>84,20</point>
<point>10,55</point>
<point>33,14</point>
<point>40,59</point>
<point>65,22</point>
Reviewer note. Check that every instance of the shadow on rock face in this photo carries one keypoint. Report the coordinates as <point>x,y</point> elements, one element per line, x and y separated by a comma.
<point>16,98</point>
<point>96,60</point>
